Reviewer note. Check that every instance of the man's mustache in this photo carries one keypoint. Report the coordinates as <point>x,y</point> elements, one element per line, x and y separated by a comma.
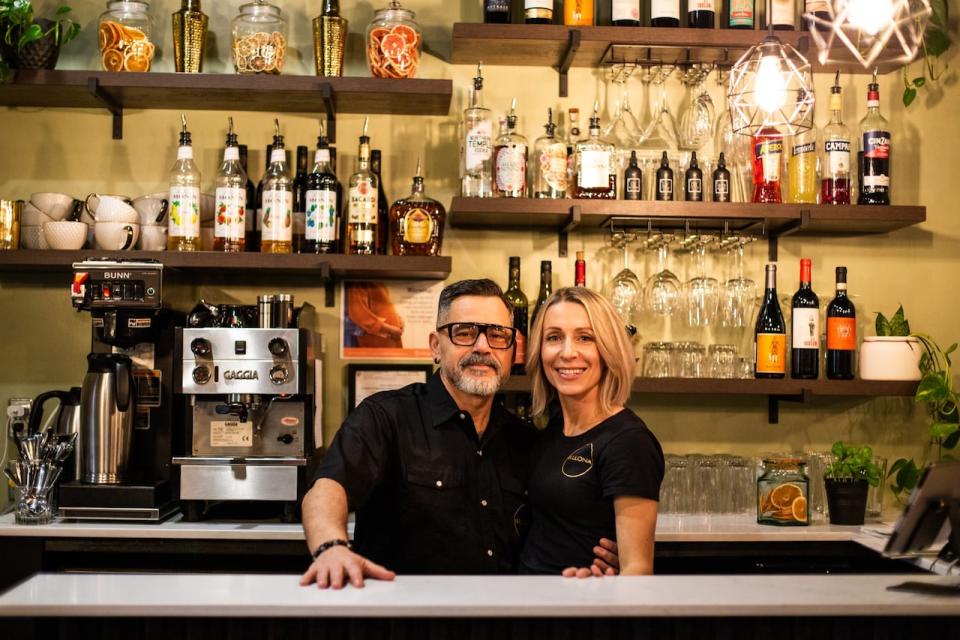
<point>476,358</point>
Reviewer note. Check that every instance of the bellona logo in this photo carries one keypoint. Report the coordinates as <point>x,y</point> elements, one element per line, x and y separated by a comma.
<point>579,462</point>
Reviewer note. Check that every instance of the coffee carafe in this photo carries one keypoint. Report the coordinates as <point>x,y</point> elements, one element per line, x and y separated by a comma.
<point>106,419</point>
<point>67,421</point>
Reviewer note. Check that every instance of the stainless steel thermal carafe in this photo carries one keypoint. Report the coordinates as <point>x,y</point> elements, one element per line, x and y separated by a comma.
<point>106,418</point>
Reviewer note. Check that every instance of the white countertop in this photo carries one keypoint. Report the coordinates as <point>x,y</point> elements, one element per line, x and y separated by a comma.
<point>669,529</point>
<point>245,595</point>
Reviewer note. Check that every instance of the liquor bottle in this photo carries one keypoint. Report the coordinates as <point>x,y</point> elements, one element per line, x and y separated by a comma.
<point>742,14</point>
<point>580,271</point>
<point>383,205</point>
<point>361,219</point>
<point>321,202</point>
<point>841,332</point>
<point>510,160</point>
<point>299,195</point>
<point>538,11</point>
<point>230,198</point>
<point>701,14</point>
<point>546,287</point>
<point>721,181</point>
<point>875,147</point>
<point>277,220</point>
<point>767,156</point>
<point>664,190</point>
<point>633,180</point>
<point>416,222</point>
<point>476,165</point>
<point>693,181</point>
<point>596,179</point>
<point>497,12</point>
<point>573,137</point>
<point>183,227</point>
<point>258,203</point>
<point>520,314</point>
<point>802,163</point>
<point>341,205</point>
<point>549,163</point>
<point>805,321</point>
<point>578,13</point>
<point>835,186</point>
<point>783,15</point>
<point>770,333</point>
<point>625,13</point>
<point>250,212</point>
<point>664,13</point>
<point>820,9</point>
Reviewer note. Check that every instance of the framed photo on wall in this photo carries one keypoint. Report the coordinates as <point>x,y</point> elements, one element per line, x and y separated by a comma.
<point>388,320</point>
<point>364,380</point>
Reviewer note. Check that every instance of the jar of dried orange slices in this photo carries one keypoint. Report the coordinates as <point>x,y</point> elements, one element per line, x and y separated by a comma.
<point>125,42</point>
<point>259,40</point>
<point>782,492</point>
<point>394,43</point>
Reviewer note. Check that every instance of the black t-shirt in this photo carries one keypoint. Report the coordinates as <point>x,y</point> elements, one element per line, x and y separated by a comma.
<point>573,481</point>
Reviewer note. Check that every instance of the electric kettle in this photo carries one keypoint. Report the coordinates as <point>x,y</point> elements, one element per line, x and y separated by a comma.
<point>66,422</point>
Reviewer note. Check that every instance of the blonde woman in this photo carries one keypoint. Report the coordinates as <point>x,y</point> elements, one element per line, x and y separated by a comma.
<point>596,469</point>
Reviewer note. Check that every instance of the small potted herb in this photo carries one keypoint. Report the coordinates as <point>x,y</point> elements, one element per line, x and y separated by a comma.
<point>893,354</point>
<point>29,42</point>
<point>847,480</point>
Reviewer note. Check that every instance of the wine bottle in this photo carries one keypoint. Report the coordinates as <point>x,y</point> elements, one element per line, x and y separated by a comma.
<point>783,15</point>
<point>805,321</point>
<point>664,190</point>
<point>819,9</point>
<point>538,11</point>
<point>578,13</point>
<point>497,11</point>
<point>664,13</point>
<point>520,314</point>
<point>383,205</point>
<point>632,180</point>
<point>721,181</point>
<point>700,14</point>
<point>742,14</point>
<point>841,332</point>
<point>770,334</point>
<point>693,181</point>
<point>625,13</point>
<point>580,271</point>
<point>546,287</point>
<point>299,196</point>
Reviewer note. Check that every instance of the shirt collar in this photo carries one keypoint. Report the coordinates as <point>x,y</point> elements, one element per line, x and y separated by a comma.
<point>441,407</point>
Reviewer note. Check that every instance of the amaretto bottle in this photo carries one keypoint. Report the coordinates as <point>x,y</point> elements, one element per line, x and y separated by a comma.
<point>277,221</point>
<point>229,221</point>
<point>183,228</point>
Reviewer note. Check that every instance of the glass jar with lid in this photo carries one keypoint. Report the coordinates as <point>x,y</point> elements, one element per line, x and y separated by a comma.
<point>783,491</point>
<point>125,40</point>
<point>394,43</point>
<point>259,40</point>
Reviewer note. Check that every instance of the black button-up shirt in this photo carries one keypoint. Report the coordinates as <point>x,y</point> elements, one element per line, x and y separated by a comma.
<point>430,496</point>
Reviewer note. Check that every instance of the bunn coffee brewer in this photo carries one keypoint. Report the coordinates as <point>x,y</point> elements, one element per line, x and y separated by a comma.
<point>249,396</point>
<point>127,412</point>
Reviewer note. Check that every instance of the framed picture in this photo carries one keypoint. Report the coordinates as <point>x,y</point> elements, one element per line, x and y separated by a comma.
<point>388,320</point>
<point>364,380</point>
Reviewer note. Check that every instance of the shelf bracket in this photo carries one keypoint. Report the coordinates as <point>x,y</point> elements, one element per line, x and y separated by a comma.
<point>329,286</point>
<point>773,240</point>
<point>573,44</point>
<point>110,103</point>
<point>773,404</point>
<point>573,221</point>
<point>326,92</point>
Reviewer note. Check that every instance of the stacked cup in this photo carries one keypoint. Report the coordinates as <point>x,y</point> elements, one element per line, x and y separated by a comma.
<point>152,210</point>
<point>116,223</point>
<point>49,222</point>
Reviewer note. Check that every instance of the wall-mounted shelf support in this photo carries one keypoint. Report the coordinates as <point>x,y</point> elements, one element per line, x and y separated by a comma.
<point>773,240</point>
<point>108,101</point>
<point>573,44</point>
<point>572,222</point>
<point>773,404</point>
<point>326,92</point>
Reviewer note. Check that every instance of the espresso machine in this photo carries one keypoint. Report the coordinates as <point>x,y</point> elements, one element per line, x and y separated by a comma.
<point>127,410</point>
<point>249,397</point>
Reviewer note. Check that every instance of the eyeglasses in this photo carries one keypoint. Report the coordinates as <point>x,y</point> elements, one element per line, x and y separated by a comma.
<point>466,334</point>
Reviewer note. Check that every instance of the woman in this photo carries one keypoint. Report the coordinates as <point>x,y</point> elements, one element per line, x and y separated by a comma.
<point>596,469</point>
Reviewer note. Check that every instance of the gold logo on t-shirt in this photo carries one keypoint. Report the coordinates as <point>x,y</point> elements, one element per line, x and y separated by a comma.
<point>579,462</point>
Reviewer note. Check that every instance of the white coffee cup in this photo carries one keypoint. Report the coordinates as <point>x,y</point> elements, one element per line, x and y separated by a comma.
<point>116,236</point>
<point>33,216</point>
<point>112,209</point>
<point>92,201</point>
<point>65,234</point>
<point>152,210</point>
<point>153,238</point>
<point>32,237</point>
<point>56,205</point>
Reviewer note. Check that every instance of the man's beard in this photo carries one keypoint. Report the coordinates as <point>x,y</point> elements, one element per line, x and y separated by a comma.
<point>469,384</point>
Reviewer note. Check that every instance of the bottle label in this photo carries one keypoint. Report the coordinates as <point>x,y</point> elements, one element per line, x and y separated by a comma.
<point>769,152</point>
<point>361,237</point>
<point>876,161</point>
<point>497,6</point>
<point>741,13</point>
<point>538,9</point>
<point>362,206</point>
<point>876,145</point>
<point>771,353</point>
<point>695,188</point>
<point>511,168</point>
<point>801,149</point>
<point>700,5</point>
<point>721,189</point>
<point>277,221</point>
<point>806,328</point>
<point>321,216</point>
<point>477,147</point>
<point>838,157</point>
<point>184,212</point>
<point>665,9</point>
<point>553,167</point>
<point>322,156</point>
<point>633,187</point>
<point>417,227</point>
<point>783,12</point>
<point>594,169</point>
<point>842,334</point>
<point>230,219</point>
<point>278,155</point>
<point>665,189</point>
<point>626,10</point>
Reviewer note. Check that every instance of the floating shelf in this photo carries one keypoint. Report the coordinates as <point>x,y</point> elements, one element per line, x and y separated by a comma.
<point>187,91</point>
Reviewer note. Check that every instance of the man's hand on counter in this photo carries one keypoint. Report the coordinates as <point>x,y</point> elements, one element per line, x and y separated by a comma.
<point>337,565</point>
<point>606,562</point>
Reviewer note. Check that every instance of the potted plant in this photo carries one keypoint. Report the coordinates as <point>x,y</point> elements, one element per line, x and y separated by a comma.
<point>28,42</point>
<point>893,354</point>
<point>847,480</point>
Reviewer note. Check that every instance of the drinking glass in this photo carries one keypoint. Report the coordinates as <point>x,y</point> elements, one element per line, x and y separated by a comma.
<point>657,360</point>
<point>739,296</point>
<point>706,484</point>
<point>662,292</point>
<point>875,494</point>
<point>817,463</point>
<point>745,369</point>
<point>690,360</point>
<point>740,485</point>
<point>625,291</point>
<point>722,361</point>
<point>701,293</point>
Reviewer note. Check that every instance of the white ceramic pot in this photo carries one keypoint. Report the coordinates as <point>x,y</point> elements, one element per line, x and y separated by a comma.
<point>890,358</point>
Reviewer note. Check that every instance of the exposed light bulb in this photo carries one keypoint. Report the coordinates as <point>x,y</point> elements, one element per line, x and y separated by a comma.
<point>770,88</point>
<point>870,16</point>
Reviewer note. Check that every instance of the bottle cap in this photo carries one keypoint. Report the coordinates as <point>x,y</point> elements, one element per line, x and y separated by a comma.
<point>579,256</point>
<point>364,138</point>
<point>512,118</point>
<point>550,126</point>
<point>184,134</point>
<point>721,162</point>
<point>842,274</point>
<point>478,79</point>
<point>277,138</point>
<point>514,261</point>
<point>231,136</point>
<point>546,265</point>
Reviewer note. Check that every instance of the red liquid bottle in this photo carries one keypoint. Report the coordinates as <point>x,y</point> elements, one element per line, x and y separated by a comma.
<point>767,159</point>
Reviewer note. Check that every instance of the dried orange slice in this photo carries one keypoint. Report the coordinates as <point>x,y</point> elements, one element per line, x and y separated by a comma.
<point>136,62</point>
<point>799,509</point>
<point>133,33</point>
<point>784,495</point>
<point>112,60</point>
<point>408,34</point>
<point>393,46</point>
<point>378,33</point>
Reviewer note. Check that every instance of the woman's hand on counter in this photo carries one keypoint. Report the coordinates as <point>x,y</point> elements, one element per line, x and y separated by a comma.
<point>606,562</point>
<point>338,565</point>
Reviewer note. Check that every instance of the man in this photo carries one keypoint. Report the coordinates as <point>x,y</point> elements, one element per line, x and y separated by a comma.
<point>435,472</point>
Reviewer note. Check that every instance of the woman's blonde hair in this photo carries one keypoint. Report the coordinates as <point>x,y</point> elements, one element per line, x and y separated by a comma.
<point>613,343</point>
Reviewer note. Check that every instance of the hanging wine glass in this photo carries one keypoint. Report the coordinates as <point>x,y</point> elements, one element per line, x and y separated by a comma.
<point>701,293</point>
<point>625,290</point>
<point>663,125</point>
<point>739,296</point>
<point>662,291</point>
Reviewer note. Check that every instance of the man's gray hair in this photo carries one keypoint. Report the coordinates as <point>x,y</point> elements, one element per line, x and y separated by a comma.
<point>483,287</point>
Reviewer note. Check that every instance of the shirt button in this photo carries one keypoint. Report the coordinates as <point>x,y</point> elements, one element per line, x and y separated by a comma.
<point>463,416</point>
<point>490,552</point>
<point>480,452</point>
<point>439,483</point>
<point>483,503</point>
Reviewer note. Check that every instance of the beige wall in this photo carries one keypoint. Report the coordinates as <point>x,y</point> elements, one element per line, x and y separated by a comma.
<point>45,341</point>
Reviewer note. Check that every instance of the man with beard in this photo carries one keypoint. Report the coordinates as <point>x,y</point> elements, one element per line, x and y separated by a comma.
<point>435,472</point>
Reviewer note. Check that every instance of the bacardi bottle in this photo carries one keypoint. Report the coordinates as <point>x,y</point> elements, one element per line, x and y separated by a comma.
<point>835,165</point>
<point>767,156</point>
<point>183,228</point>
<point>476,163</point>
<point>277,220</point>
<point>361,236</point>
<point>549,163</point>
<point>230,198</point>
<point>322,202</point>
<point>510,160</point>
<point>596,166</point>
<point>875,150</point>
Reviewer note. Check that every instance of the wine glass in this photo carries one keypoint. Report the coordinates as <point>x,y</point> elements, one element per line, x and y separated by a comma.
<point>623,128</point>
<point>662,292</point>
<point>702,293</point>
<point>625,290</point>
<point>697,117</point>
<point>739,295</point>
<point>662,128</point>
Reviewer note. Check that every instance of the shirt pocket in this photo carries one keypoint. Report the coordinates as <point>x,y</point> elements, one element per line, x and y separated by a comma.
<point>435,485</point>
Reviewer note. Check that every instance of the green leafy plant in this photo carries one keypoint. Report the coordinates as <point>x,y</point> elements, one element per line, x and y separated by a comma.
<point>942,400</point>
<point>935,42</point>
<point>18,22</point>
<point>853,463</point>
<point>895,326</point>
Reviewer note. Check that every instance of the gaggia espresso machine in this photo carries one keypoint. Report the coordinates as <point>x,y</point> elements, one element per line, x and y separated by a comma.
<point>127,411</point>
<point>249,396</point>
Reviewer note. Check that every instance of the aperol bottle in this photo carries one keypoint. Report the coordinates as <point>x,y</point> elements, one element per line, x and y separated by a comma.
<point>767,158</point>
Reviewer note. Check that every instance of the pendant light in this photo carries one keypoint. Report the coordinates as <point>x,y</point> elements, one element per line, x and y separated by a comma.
<point>770,86</point>
<point>872,31</point>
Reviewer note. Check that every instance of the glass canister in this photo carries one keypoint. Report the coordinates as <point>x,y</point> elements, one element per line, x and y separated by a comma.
<point>259,39</point>
<point>125,41</point>
<point>783,492</point>
<point>394,43</point>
